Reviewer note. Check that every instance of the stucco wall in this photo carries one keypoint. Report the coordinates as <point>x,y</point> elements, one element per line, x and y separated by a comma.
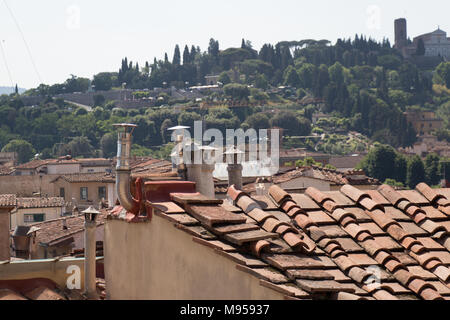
<point>47,269</point>
<point>157,261</point>
<point>63,168</point>
<point>25,186</point>
<point>4,235</point>
<point>17,218</point>
<point>72,190</point>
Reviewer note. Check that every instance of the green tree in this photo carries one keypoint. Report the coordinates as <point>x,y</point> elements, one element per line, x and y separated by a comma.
<point>432,172</point>
<point>108,145</point>
<point>236,91</point>
<point>420,48</point>
<point>24,149</point>
<point>443,71</point>
<point>380,163</point>
<point>224,78</point>
<point>258,121</point>
<point>176,56</point>
<point>81,147</point>
<point>291,77</point>
<point>415,172</point>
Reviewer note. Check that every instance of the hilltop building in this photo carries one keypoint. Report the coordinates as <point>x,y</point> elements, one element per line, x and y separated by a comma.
<point>436,43</point>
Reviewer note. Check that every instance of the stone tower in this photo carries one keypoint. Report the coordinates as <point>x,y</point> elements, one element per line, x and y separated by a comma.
<point>400,33</point>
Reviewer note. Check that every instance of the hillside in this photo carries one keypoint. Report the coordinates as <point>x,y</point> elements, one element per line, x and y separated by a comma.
<point>363,87</point>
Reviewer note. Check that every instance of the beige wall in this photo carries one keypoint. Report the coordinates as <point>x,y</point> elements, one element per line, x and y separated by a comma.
<point>4,235</point>
<point>72,190</point>
<point>94,169</point>
<point>17,217</point>
<point>25,186</point>
<point>47,269</point>
<point>63,168</point>
<point>157,261</point>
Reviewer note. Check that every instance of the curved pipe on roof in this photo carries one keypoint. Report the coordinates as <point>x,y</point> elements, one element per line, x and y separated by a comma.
<point>126,200</point>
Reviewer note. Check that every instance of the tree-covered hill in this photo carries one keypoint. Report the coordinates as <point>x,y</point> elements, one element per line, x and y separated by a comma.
<point>366,86</point>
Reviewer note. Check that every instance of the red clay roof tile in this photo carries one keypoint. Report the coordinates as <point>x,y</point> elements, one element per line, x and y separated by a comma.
<point>268,274</point>
<point>413,196</point>
<point>233,228</point>
<point>304,201</point>
<point>391,194</point>
<point>354,193</point>
<point>212,215</point>
<point>428,193</point>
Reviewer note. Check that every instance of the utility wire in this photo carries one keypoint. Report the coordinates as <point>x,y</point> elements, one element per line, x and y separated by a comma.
<point>6,64</point>
<point>24,40</point>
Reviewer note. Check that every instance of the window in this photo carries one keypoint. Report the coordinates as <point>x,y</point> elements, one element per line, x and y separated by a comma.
<point>62,193</point>
<point>102,192</point>
<point>34,217</point>
<point>83,193</point>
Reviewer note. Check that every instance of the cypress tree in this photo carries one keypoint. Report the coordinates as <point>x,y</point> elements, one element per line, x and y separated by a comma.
<point>186,55</point>
<point>176,56</point>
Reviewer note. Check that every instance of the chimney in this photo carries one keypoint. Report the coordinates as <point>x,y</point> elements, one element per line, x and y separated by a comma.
<point>90,226</point>
<point>4,235</point>
<point>234,167</point>
<point>200,172</point>
<point>123,169</point>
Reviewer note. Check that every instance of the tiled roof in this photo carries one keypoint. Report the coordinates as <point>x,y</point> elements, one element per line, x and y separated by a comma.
<point>33,164</point>
<point>53,231</point>
<point>88,177</point>
<point>335,177</point>
<point>348,244</point>
<point>40,202</point>
<point>8,200</point>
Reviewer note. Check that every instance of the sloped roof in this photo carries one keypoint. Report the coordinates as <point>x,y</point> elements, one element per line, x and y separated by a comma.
<point>8,200</point>
<point>53,231</point>
<point>354,177</point>
<point>88,177</point>
<point>40,202</point>
<point>348,244</point>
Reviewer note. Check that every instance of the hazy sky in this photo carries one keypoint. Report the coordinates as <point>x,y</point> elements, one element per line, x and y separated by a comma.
<point>84,37</point>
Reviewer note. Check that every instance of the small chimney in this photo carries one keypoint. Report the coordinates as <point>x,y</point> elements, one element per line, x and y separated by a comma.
<point>200,172</point>
<point>234,168</point>
<point>64,224</point>
<point>90,226</point>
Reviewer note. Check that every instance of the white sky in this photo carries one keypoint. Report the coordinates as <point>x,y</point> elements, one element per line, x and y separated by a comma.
<point>141,29</point>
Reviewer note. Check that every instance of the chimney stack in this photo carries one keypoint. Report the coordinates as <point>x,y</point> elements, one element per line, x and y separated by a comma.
<point>234,167</point>
<point>90,226</point>
<point>200,172</point>
<point>123,169</point>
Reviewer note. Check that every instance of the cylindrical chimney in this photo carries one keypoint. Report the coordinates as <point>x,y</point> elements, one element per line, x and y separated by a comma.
<point>90,226</point>
<point>123,169</point>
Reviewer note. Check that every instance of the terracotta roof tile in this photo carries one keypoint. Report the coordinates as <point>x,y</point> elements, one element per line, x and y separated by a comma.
<point>413,196</point>
<point>8,200</point>
<point>305,202</point>
<point>268,274</point>
<point>339,198</point>
<point>88,177</point>
<point>40,202</point>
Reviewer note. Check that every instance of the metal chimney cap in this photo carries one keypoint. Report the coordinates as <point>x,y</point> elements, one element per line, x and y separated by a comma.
<point>91,210</point>
<point>178,128</point>
<point>131,125</point>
